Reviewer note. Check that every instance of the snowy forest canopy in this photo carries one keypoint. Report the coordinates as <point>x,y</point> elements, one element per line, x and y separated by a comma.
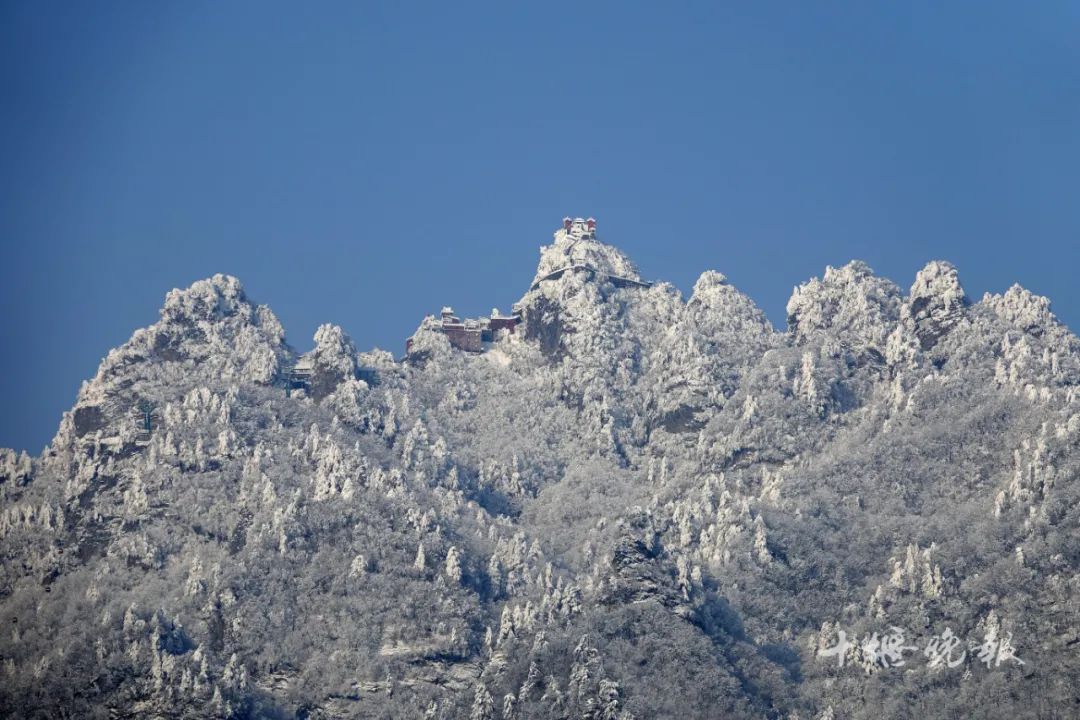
<point>628,505</point>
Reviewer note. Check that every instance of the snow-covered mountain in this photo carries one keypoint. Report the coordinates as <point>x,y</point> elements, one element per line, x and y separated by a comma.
<point>618,504</point>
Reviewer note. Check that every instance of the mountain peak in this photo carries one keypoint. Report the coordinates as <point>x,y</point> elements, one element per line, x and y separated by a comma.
<point>850,302</point>
<point>206,300</point>
<point>940,280</point>
<point>936,302</point>
<point>213,320</point>
<point>1024,309</point>
<point>709,280</point>
<point>717,303</point>
<point>332,361</point>
<point>209,331</point>
<point>576,248</point>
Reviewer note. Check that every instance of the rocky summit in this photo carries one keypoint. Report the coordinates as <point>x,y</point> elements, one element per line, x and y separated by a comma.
<point>612,502</point>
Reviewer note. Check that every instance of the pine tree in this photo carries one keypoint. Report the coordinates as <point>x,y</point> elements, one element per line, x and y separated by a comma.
<point>483,707</point>
<point>453,565</point>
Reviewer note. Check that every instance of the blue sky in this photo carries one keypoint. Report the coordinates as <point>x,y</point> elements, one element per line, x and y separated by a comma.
<point>367,163</point>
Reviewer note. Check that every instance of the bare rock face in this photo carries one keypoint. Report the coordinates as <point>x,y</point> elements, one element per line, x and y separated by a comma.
<point>639,572</point>
<point>543,323</point>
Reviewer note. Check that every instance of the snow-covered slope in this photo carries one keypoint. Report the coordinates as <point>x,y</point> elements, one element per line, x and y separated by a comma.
<point>631,506</point>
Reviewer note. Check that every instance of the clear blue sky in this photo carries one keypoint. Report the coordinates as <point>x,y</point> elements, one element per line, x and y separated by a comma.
<point>366,163</point>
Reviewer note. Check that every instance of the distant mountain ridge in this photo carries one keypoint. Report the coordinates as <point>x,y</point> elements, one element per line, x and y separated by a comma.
<point>618,504</point>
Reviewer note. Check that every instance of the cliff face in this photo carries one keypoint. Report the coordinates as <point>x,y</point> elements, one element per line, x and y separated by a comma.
<point>633,506</point>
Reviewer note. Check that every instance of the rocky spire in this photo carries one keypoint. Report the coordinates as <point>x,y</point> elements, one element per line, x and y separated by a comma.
<point>333,360</point>
<point>567,307</point>
<point>936,302</point>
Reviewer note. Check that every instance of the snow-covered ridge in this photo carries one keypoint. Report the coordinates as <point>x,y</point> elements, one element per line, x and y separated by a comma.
<point>214,326</point>
<point>233,529</point>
